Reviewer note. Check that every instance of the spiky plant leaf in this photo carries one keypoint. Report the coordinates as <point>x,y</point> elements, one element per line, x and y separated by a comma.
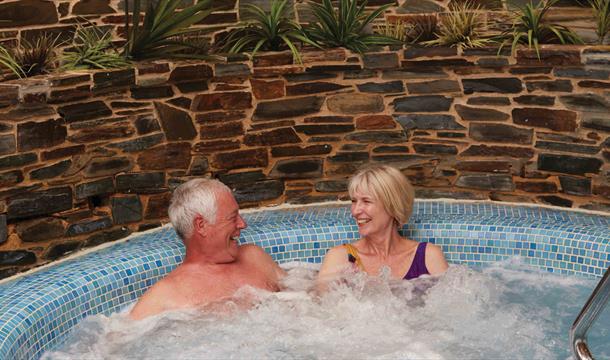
<point>92,50</point>
<point>463,27</point>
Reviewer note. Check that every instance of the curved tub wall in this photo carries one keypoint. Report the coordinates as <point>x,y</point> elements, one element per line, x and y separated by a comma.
<point>38,310</point>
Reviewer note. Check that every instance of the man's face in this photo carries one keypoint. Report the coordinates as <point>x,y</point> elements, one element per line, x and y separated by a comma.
<point>224,234</point>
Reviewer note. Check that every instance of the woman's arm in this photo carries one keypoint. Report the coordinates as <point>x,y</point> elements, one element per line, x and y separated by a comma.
<point>435,260</point>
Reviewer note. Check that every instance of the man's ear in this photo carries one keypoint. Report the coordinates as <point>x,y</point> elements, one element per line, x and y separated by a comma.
<point>200,225</point>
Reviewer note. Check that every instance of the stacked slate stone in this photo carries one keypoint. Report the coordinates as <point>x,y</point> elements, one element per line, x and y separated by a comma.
<point>88,158</point>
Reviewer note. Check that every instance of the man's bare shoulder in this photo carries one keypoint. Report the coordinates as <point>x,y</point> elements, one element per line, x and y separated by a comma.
<point>156,299</point>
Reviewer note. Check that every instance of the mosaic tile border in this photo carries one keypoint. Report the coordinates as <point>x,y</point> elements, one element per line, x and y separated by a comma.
<point>38,310</point>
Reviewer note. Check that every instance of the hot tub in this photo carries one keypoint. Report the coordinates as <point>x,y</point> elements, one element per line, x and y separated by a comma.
<point>39,309</point>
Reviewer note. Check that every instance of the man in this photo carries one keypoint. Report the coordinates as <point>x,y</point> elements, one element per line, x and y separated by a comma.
<point>206,216</point>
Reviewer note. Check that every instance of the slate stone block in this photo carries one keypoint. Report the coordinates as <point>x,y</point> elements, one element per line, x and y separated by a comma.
<point>413,52</point>
<point>138,144</point>
<point>107,236</point>
<point>222,101</point>
<point>126,209</point>
<point>388,87</point>
<point>428,122</point>
<point>272,137</point>
<point>242,177</point>
<point>297,169</point>
<point>167,156</point>
<point>480,114</point>
<point>151,92</point>
<point>489,100</point>
<point>486,182</point>
<point>425,103</point>
<point>323,129</point>
<point>40,229</point>
<point>38,203</point>
<point>384,137</point>
<point>112,80</point>
<point>17,160</point>
<point>9,95</point>
<point>199,166</point>
<point>222,130</point>
<point>434,87</point>
<point>558,120</point>
<point>84,111</point>
<point>375,122</point>
<point>233,70</point>
<point>92,7</point>
<point>355,103</point>
<point>555,200</point>
<point>586,102</point>
<point>207,147</point>
<point>287,108</point>
<point>414,72</point>
<point>380,60</point>
<point>51,171</point>
<point>501,133</point>
<point>575,185</point>
<point>107,166</point>
<point>536,186</point>
<point>594,84</point>
<point>35,135</point>
<point>568,164</point>
<point>26,13</point>
<point>177,124</point>
<point>17,257</point>
<point>331,186</point>
<point>573,148</point>
<point>7,144</point>
<point>265,90</point>
<point>596,122</point>
<point>438,149</point>
<point>581,73</point>
<point>57,251</point>
<point>258,191</point>
<point>492,85</point>
<point>489,166</point>
<point>308,76</point>
<point>498,151</point>
<point>240,159</point>
<point>157,206</point>
<point>535,100</point>
<point>94,188</point>
<point>141,183</point>
<point>550,86</point>
<point>191,73</point>
<point>313,88</point>
<point>300,151</point>
<point>341,157</point>
<point>3,229</point>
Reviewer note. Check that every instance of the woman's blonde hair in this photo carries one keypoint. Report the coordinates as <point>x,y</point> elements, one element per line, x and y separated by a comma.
<point>386,184</point>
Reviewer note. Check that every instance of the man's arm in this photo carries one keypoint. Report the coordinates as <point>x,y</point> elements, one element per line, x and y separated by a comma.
<point>154,301</point>
<point>264,261</point>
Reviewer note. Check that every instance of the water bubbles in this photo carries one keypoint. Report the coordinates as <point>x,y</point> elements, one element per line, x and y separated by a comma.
<point>496,312</point>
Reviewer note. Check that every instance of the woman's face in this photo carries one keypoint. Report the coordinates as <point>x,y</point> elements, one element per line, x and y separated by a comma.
<point>370,214</point>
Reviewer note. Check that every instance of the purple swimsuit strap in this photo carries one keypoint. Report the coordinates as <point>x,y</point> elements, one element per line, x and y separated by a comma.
<point>418,267</point>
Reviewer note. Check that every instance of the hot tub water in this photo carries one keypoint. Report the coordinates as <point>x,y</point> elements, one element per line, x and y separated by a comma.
<point>500,312</point>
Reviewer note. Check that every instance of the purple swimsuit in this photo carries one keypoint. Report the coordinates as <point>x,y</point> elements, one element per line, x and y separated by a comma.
<point>418,266</point>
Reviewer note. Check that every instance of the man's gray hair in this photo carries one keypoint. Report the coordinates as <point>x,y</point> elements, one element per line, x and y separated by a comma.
<point>197,196</point>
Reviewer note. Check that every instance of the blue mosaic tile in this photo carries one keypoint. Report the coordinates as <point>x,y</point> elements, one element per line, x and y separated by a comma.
<point>38,311</point>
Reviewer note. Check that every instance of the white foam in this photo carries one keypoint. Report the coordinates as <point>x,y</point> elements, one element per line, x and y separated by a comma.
<point>462,314</point>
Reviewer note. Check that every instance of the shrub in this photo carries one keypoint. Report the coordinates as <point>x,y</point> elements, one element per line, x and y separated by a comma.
<point>160,34</point>
<point>601,13</point>
<point>92,50</point>
<point>8,61</point>
<point>463,26</point>
<point>399,29</point>
<point>530,27</point>
<point>271,30</point>
<point>424,28</point>
<point>345,27</point>
<point>36,57</point>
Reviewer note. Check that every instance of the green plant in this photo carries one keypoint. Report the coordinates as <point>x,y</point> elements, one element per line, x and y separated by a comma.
<point>463,27</point>
<point>346,26</point>
<point>159,36</point>
<point>36,57</point>
<point>530,27</point>
<point>601,13</point>
<point>271,30</point>
<point>399,29</point>
<point>8,61</point>
<point>424,28</point>
<point>92,50</point>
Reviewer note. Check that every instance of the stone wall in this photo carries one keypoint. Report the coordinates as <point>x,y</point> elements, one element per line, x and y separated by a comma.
<point>30,18</point>
<point>87,158</point>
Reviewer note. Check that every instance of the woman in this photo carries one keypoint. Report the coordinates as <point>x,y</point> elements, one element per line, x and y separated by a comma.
<point>382,201</point>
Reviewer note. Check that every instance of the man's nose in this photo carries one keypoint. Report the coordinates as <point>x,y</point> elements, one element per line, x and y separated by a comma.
<point>242,223</point>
